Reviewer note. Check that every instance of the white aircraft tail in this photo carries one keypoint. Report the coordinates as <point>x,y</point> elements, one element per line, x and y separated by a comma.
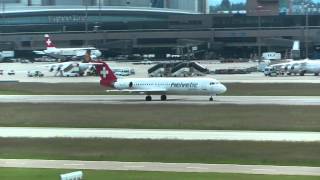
<point>295,51</point>
<point>296,45</point>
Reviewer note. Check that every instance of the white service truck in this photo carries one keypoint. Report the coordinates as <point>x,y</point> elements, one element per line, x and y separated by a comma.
<point>271,56</point>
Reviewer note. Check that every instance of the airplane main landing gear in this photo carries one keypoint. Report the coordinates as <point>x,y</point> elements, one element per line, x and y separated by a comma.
<point>163,97</point>
<point>148,98</point>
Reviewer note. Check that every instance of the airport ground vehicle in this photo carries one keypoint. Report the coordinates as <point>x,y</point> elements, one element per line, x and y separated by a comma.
<point>270,71</point>
<point>122,73</point>
<point>71,74</point>
<point>11,72</point>
<point>271,56</point>
<point>35,74</point>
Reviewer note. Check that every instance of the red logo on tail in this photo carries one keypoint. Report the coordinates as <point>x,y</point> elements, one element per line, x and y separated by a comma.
<point>107,76</point>
<point>49,43</point>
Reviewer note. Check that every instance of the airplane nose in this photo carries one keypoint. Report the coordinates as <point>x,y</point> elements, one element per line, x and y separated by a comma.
<point>99,53</point>
<point>222,89</point>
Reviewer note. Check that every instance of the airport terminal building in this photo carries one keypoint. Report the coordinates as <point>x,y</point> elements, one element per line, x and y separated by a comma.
<point>154,27</point>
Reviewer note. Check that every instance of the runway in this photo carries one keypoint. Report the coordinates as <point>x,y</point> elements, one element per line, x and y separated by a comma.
<point>216,135</point>
<point>167,167</point>
<point>174,99</point>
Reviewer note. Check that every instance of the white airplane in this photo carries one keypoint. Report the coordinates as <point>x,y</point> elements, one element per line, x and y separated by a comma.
<point>159,86</point>
<point>299,67</point>
<point>67,52</point>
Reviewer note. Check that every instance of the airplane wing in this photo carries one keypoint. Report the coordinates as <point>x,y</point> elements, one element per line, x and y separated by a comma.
<point>139,91</point>
<point>94,63</point>
<point>39,52</point>
<point>57,56</point>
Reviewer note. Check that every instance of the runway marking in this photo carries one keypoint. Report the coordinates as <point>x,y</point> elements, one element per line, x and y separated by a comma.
<point>134,166</point>
<point>197,168</point>
<point>264,170</point>
<point>73,164</point>
<point>15,163</point>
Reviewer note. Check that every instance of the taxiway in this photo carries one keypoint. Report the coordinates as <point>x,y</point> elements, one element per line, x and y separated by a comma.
<point>167,167</point>
<point>142,71</point>
<point>174,99</point>
<point>156,134</point>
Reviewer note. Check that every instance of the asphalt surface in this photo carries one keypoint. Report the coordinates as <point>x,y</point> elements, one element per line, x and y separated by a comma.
<point>141,71</point>
<point>167,167</point>
<point>172,99</point>
<point>281,136</point>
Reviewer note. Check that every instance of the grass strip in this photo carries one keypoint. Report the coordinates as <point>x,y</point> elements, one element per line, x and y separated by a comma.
<point>208,117</point>
<point>175,151</point>
<point>53,174</point>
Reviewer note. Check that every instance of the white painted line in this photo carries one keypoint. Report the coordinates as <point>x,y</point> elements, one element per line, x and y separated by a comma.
<point>264,170</point>
<point>15,163</point>
<point>134,166</point>
<point>73,164</point>
<point>197,168</point>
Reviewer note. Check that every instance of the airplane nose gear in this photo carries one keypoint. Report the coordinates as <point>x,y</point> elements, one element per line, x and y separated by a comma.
<point>148,98</point>
<point>163,98</point>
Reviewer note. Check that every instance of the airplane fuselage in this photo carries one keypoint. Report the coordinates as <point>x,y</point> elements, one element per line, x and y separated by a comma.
<point>73,51</point>
<point>305,66</point>
<point>194,86</point>
<point>312,67</point>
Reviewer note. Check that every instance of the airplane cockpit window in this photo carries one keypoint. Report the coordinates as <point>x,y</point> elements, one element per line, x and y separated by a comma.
<point>212,83</point>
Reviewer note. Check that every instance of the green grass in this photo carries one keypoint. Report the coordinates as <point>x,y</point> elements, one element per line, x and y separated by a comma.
<point>53,174</point>
<point>208,117</point>
<point>51,89</point>
<point>234,89</point>
<point>221,152</point>
<point>272,89</point>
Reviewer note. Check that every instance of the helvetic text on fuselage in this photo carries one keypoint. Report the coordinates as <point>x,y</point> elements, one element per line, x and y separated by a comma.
<point>184,85</point>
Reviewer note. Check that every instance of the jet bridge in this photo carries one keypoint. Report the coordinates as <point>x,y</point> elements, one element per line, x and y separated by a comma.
<point>189,69</point>
<point>62,69</point>
<point>177,69</point>
<point>162,69</point>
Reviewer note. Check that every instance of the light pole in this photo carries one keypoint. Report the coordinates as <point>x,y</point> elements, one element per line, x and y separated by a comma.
<point>259,31</point>
<point>306,37</point>
<point>3,7</point>
<point>307,34</point>
<point>100,11</point>
<point>86,22</point>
